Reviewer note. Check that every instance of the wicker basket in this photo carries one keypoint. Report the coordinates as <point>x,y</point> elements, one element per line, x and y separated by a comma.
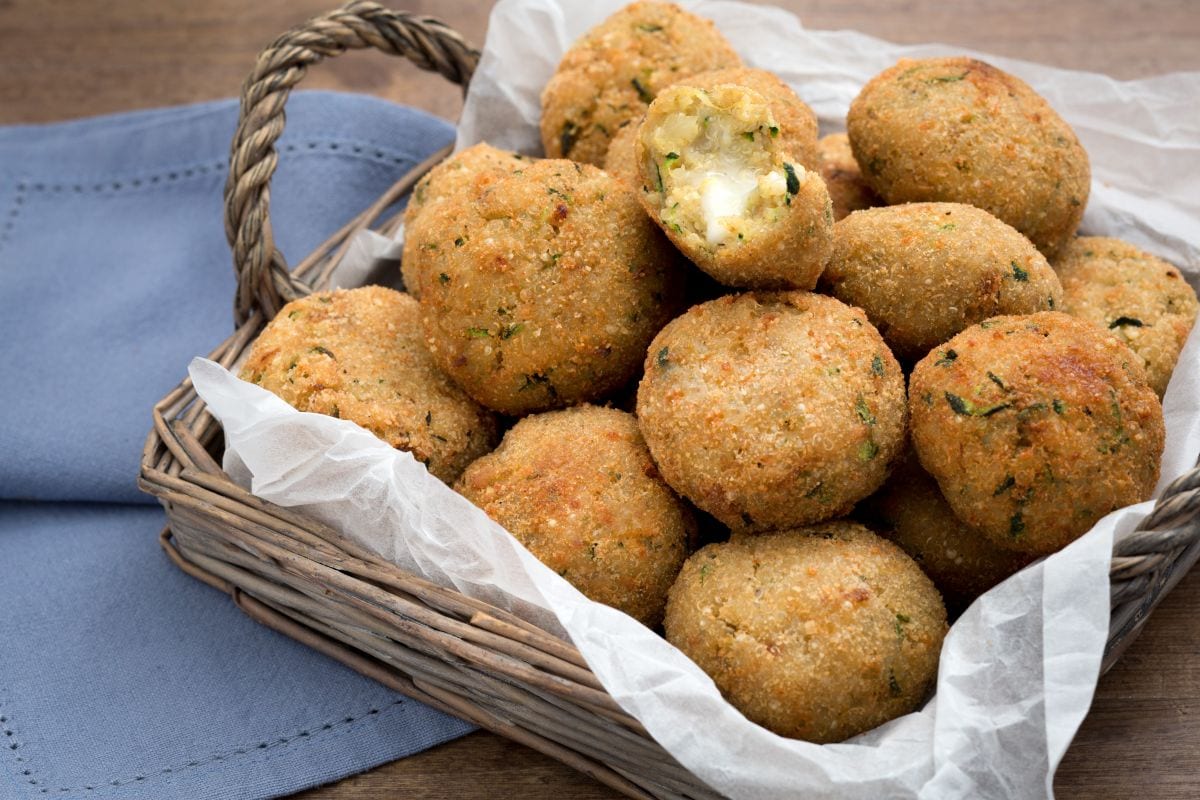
<point>305,580</point>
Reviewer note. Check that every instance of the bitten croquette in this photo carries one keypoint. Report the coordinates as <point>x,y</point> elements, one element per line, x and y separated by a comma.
<point>579,490</point>
<point>771,410</point>
<point>797,123</point>
<point>358,354</point>
<point>546,289</point>
<point>1136,297</point>
<point>925,271</point>
<point>816,633</point>
<point>614,71</point>
<point>1035,427</point>
<point>962,131</point>
<point>718,177</point>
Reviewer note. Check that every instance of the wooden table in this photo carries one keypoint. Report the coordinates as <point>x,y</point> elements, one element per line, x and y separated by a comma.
<point>72,58</point>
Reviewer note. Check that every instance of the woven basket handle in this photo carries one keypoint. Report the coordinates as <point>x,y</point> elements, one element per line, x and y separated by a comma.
<point>264,280</point>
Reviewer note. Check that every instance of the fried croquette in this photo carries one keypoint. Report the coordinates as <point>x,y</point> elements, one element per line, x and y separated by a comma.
<point>1035,427</point>
<point>963,131</point>
<point>579,490</point>
<point>546,289</point>
<point>771,410</point>
<point>718,180</point>
<point>925,271</point>
<point>453,183</point>
<point>815,633</point>
<point>616,69</point>
<point>358,354</point>
<point>843,179</point>
<point>1138,298</point>
<point>910,511</point>
<point>621,159</point>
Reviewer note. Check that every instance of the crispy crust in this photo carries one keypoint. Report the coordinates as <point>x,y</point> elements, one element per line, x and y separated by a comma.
<point>1035,427</point>
<point>357,354</point>
<point>579,490</point>
<point>960,130</point>
<point>1141,300</point>
<point>910,511</point>
<point>770,410</point>
<point>611,74</point>
<point>459,179</point>
<point>925,271</point>
<point>546,289</point>
<point>847,189</point>
<point>816,633</point>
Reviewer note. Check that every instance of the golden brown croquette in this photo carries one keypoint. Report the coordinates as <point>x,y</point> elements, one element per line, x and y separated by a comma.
<point>960,130</point>
<point>546,289</point>
<point>716,176</point>
<point>925,271</point>
<point>770,410</point>
<point>1035,427</point>
<point>910,511</point>
<point>614,71</point>
<point>578,489</point>
<point>358,354</point>
<point>815,633</point>
<point>843,179</point>
<point>456,181</point>
<point>621,159</point>
<point>1138,298</point>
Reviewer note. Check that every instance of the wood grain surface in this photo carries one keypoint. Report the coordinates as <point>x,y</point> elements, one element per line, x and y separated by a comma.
<point>72,58</point>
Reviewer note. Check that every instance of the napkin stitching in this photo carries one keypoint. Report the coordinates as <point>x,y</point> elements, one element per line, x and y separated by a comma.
<point>305,734</point>
<point>14,211</point>
<point>345,148</point>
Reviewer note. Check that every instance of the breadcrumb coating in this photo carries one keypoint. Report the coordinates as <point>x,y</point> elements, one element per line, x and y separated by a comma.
<point>925,271</point>
<point>613,72</point>
<point>771,410</point>
<point>579,490</point>
<point>1138,298</point>
<point>815,633</point>
<point>358,354</point>
<point>1035,427</point>
<point>962,131</point>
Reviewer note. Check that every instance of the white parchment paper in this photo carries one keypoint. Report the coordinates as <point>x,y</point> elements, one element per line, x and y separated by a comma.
<point>1018,668</point>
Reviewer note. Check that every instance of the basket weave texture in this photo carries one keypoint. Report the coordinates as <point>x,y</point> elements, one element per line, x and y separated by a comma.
<point>309,582</point>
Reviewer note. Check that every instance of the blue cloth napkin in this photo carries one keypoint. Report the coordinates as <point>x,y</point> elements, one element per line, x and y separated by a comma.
<point>120,676</point>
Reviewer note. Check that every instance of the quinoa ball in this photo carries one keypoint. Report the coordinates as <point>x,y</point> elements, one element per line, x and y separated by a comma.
<point>1136,297</point>
<point>457,180</point>
<point>719,177</point>
<point>771,410</point>
<point>578,489</point>
<point>614,71</point>
<point>925,271</point>
<point>815,633</point>
<point>910,511</point>
<point>960,130</point>
<point>545,290</point>
<point>1035,427</point>
<point>843,179</point>
<point>358,354</point>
